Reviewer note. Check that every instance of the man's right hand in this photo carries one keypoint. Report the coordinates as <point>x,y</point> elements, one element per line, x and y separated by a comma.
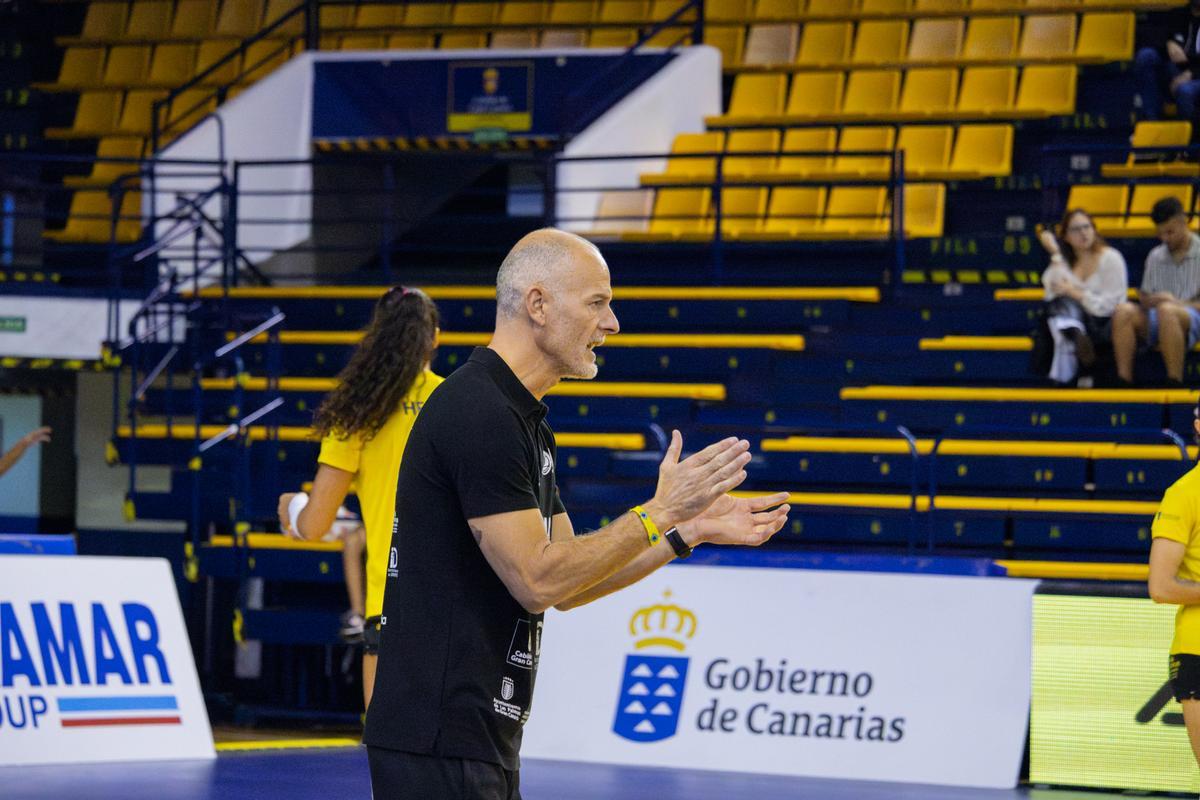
<point>1180,80</point>
<point>687,488</point>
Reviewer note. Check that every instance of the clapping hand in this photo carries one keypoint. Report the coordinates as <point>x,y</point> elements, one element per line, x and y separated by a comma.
<point>738,520</point>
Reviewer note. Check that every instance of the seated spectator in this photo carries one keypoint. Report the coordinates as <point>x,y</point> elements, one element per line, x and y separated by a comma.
<point>1174,67</point>
<point>1166,315</point>
<point>1085,282</point>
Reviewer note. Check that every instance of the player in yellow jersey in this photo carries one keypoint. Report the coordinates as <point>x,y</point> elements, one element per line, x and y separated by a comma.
<point>364,424</point>
<point>1175,579</point>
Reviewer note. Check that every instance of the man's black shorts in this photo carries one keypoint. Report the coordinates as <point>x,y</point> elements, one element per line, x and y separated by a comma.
<point>408,776</point>
<point>1185,676</point>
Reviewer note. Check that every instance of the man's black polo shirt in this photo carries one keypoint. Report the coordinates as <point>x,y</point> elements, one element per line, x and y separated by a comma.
<point>458,655</point>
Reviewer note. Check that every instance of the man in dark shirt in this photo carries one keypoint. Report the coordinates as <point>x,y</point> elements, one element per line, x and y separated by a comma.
<point>482,545</point>
<point>1174,66</point>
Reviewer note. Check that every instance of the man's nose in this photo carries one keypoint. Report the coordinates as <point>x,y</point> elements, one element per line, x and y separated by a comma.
<point>609,324</point>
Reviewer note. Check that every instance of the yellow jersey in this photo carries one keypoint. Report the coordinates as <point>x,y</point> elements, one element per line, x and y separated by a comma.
<point>1178,519</point>
<point>375,465</point>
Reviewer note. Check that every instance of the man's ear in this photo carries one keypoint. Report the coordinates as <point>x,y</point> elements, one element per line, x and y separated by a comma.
<point>535,304</point>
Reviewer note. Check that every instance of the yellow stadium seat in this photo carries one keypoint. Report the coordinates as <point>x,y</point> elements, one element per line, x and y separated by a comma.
<point>835,9</point>
<point>935,40</point>
<point>264,57</point>
<point>135,113</point>
<point>239,20</point>
<point>1048,37</point>
<point>1145,195</point>
<point>766,10</point>
<point>825,43</point>
<point>816,95</point>
<point>189,108</point>
<point>172,64</point>
<point>991,38</point>
<point>105,172</point>
<point>929,92</point>
<point>212,52</point>
<point>880,41</point>
<point>295,25</point>
<point>96,115</point>
<point>81,66</point>
<point>729,39</point>
<point>757,96</point>
<point>624,11</point>
<point>926,149</point>
<point>379,15</point>
<point>728,10</point>
<point>856,211</point>
<point>758,140</point>
<point>987,90</point>
<point>1047,90</point>
<point>795,210</point>
<point>105,20</point>
<point>924,210</point>
<point>470,14</point>
<point>431,15</point>
<point>514,40</point>
<point>996,5</point>
<point>940,5</point>
<point>812,140</point>
<point>573,12</point>
<point>1154,134</point>
<point>680,212</point>
<point>194,19</point>
<point>742,210</point>
<point>1106,37</point>
<point>127,65</point>
<point>1051,4</point>
<point>149,20</point>
<point>982,151</point>
<point>1105,203</point>
<point>695,168</point>
<point>771,44</point>
<point>861,139</point>
<point>886,6</point>
<point>871,92</point>
<point>332,17</point>
<point>521,12</point>
<point>362,41</point>
<point>90,218</point>
<point>410,41</point>
<point>620,211</point>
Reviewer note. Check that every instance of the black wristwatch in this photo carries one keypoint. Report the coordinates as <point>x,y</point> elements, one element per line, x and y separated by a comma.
<point>677,543</point>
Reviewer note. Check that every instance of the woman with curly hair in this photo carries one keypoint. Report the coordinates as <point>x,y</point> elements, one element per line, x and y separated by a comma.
<point>364,425</point>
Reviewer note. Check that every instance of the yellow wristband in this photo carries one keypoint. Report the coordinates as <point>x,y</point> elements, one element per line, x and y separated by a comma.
<point>651,529</point>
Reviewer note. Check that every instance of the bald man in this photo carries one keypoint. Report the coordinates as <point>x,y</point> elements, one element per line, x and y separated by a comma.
<point>482,545</point>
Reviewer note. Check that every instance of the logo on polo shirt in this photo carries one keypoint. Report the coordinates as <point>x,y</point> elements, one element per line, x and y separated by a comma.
<point>652,687</point>
<point>547,463</point>
<point>393,561</point>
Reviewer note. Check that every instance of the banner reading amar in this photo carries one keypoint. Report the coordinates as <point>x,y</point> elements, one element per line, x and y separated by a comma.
<point>95,663</point>
<point>921,679</point>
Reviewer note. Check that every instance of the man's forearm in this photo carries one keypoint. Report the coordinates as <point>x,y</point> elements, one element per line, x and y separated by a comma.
<point>644,563</point>
<point>564,569</point>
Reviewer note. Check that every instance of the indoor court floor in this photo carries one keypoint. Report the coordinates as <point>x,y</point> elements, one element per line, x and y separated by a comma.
<point>332,774</point>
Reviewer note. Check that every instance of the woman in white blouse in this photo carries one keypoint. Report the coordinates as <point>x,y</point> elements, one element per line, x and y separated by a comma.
<point>1085,282</point>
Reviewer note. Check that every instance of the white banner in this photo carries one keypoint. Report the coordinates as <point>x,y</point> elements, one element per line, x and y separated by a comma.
<point>866,676</point>
<point>56,327</point>
<point>95,663</point>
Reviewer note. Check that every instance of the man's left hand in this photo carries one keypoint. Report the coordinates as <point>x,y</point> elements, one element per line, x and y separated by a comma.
<point>738,520</point>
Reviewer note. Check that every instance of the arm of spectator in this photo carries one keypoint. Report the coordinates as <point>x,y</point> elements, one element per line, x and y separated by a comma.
<point>1155,299</point>
<point>9,459</point>
<point>1111,287</point>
